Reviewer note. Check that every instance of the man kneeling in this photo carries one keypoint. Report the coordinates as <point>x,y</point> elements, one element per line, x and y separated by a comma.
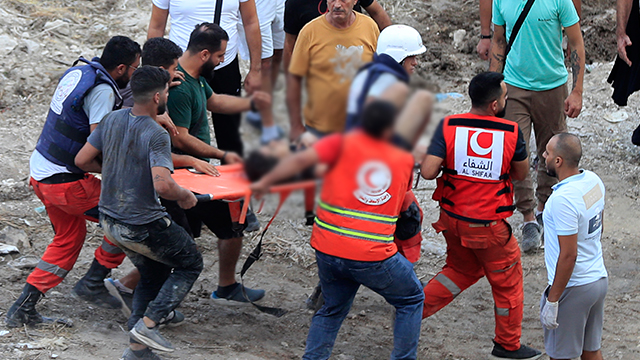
<point>136,158</point>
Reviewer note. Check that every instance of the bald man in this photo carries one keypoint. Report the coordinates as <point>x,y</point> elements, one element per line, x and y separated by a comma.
<point>572,305</point>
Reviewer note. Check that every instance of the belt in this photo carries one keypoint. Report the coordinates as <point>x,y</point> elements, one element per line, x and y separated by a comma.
<point>476,225</point>
<point>61,178</point>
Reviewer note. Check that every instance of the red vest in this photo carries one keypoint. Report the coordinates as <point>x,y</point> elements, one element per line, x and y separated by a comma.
<point>362,196</point>
<point>475,181</point>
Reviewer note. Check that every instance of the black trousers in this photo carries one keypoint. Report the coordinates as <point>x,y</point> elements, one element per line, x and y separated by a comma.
<point>227,126</point>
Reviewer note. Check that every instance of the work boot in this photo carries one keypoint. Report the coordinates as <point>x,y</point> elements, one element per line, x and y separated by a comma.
<point>524,353</point>
<point>23,311</point>
<point>91,287</point>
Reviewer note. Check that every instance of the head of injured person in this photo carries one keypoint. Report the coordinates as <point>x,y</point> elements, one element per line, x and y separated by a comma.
<point>378,118</point>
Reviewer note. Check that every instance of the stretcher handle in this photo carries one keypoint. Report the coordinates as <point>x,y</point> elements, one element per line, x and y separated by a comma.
<point>204,197</point>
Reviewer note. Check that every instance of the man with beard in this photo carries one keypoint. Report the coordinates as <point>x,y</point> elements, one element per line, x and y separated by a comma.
<point>84,95</point>
<point>188,104</point>
<point>572,305</point>
<point>134,154</point>
<point>478,154</point>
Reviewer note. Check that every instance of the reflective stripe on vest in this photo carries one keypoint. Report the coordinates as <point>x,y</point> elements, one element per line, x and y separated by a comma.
<point>360,215</point>
<point>356,234</point>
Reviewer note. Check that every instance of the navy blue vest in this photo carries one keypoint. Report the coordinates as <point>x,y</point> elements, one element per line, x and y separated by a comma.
<point>381,64</point>
<point>67,127</point>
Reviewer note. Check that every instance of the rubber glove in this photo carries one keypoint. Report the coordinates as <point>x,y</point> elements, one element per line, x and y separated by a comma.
<point>549,315</point>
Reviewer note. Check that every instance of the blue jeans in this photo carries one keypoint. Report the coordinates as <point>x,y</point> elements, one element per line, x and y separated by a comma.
<point>167,259</point>
<point>340,279</point>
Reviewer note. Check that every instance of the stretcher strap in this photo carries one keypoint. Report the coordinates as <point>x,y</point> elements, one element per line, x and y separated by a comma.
<point>255,256</point>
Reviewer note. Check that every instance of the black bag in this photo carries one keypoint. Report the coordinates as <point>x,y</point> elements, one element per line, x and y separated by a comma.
<point>516,27</point>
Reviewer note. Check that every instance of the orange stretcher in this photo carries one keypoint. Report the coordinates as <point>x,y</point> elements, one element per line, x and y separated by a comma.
<point>232,185</point>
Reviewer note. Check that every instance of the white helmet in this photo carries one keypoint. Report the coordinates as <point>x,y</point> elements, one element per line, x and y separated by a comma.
<point>400,41</point>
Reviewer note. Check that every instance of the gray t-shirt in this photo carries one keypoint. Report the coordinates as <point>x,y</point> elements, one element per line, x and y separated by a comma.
<point>131,145</point>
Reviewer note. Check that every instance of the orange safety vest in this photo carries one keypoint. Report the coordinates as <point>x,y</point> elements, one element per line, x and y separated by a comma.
<point>475,182</point>
<point>362,196</point>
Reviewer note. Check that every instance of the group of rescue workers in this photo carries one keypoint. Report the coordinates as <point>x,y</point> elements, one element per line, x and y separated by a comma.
<point>361,122</point>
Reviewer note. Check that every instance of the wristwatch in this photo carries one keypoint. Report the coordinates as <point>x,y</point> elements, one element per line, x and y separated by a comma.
<point>485,36</point>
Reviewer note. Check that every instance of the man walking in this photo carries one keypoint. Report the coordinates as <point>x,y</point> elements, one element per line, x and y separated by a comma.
<point>84,95</point>
<point>328,53</point>
<point>478,153</point>
<point>536,78</point>
<point>188,104</point>
<point>572,306</point>
<point>361,198</point>
<point>136,166</point>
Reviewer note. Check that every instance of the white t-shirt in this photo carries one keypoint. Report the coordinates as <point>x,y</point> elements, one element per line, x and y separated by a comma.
<point>186,14</point>
<point>576,207</point>
<point>378,87</point>
<point>97,104</point>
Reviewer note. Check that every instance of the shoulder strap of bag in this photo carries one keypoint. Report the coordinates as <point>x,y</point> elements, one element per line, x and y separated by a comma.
<point>516,27</point>
<point>218,12</point>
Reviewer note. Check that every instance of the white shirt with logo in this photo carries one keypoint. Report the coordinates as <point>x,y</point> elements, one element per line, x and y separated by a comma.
<point>576,207</point>
<point>186,14</point>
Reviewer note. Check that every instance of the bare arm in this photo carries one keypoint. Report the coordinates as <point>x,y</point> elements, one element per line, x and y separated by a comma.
<point>181,161</point>
<point>378,14</point>
<point>294,104</point>
<point>431,166</point>
<point>227,104</point>
<point>168,189</point>
<point>87,159</point>
<point>564,268</point>
<point>578,6</point>
<point>289,43</point>
<point>573,104</point>
<point>286,168</point>
<point>498,49</point>
<point>519,169</point>
<point>158,22</point>
<point>623,11</point>
<point>251,26</point>
<point>194,146</point>
<point>485,29</point>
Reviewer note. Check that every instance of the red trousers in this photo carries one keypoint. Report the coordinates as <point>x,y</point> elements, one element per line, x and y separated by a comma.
<point>66,204</point>
<point>474,251</point>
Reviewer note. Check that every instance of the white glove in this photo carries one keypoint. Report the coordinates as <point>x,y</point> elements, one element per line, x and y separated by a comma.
<point>549,315</point>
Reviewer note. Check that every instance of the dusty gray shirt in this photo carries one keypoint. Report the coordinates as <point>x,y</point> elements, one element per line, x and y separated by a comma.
<point>131,145</point>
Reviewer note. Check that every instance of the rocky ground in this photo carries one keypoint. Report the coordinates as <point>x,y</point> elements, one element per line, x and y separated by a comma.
<point>40,39</point>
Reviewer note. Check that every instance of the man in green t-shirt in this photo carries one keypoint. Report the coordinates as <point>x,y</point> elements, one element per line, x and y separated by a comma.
<point>536,83</point>
<point>188,104</point>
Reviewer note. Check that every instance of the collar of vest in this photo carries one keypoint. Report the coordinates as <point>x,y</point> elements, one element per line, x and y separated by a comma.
<point>384,63</point>
<point>103,76</point>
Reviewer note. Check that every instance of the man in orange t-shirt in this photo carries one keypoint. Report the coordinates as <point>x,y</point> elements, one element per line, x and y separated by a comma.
<point>328,53</point>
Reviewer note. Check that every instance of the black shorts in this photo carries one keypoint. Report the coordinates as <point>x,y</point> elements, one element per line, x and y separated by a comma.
<point>214,214</point>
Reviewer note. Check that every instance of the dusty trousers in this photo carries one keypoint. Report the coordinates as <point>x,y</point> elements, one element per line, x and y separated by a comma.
<point>542,111</point>
<point>474,251</point>
<point>66,204</point>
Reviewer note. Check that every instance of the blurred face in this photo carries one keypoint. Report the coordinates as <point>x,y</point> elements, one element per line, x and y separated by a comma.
<point>340,10</point>
<point>213,60</point>
<point>172,69</point>
<point>409,64</point>
<point>163,96</point>
<point>123,80</point>
<point>550,158</point>
<point>501,103</point>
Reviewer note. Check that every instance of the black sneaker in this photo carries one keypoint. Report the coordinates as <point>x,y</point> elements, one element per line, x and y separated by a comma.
<point>635,138</point>
<point>524,353</point>
<point>174,318</point>
<point>145,354</point>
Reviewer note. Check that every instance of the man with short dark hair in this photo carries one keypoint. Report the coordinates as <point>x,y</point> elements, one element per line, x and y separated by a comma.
<point>188,105</point>
<point>136,166</point>
<point>362,195</point>
<point>572,305</point>
<point>478,154</point>
<point>84,95</point>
